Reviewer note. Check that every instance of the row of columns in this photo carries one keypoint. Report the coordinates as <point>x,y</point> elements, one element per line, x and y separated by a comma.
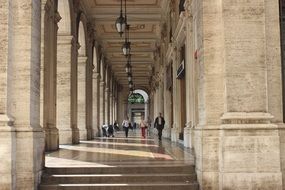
<point>76,94</point>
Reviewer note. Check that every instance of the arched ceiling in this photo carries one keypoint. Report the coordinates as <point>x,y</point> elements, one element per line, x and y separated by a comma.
<point>144,17</point>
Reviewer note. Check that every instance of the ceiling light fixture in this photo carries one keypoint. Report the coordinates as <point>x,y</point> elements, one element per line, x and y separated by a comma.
<point>121,22</point>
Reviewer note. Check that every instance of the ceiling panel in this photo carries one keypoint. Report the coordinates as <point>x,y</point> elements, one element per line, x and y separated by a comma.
<point>144,17</point>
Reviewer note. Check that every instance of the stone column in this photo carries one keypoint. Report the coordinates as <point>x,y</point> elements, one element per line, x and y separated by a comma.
<point>7,129</point>
<point>161,97</point>
<point>107,106</point>
<point>65,45</point>
<point>89,83</point>
<point>116,109</point>
<point>102,103</point>
<point>21,137</point>
<point>50,19</point>
<point>81,109</point>
<point>146,112</point>
<point>111,108</point>
<point>96,104</point>
<point>239,144</point>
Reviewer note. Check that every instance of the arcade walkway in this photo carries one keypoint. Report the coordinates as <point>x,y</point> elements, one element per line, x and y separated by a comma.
<point>120,163</point>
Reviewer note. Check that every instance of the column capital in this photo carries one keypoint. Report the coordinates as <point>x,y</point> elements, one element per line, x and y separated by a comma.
<point>47,5</point>
<point>65,39</point>
<point>82,59</point>
<point>57,17</point>
<point>96,75</point>
<point>102,82</point>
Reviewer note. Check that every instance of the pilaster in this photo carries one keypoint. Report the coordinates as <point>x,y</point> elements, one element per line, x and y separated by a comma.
<point>21,137</point>
<point>237,146</point>
<point>7,130</point>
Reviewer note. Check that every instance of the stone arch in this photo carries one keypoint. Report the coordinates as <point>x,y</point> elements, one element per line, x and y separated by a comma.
<point>145,106</point>
<point>82,35</point>
<point>95,60</point>
<point>143,93</point>
<point>65,24</point>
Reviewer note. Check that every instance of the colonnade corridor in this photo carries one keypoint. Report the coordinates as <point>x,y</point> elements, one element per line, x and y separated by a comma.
<point>211,73</point>
<point>132,163</point>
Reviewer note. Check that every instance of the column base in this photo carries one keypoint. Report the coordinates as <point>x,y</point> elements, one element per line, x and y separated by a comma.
<point>96,132</point>
<point>238,156</point>
<point>65,136</point>
<point>82,134</point>
<point>75,135</point>
<point>89,133</point>
<point>29,157</point>
<point>52,139</point>
<point>7,155</point>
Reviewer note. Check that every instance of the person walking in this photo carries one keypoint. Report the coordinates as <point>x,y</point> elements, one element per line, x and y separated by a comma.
<point>159,125</point>
<point>126,124</point>
<point>143,126</point>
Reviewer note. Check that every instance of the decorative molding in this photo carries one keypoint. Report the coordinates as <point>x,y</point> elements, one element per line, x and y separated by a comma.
<point>47,6</point>
<point>96,75</point>
<point>246,118</point>
<point>82,59</point>
<point>57,17</point>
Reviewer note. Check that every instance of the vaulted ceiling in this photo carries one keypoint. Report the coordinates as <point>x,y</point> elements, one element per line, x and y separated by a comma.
<point>144,17</point>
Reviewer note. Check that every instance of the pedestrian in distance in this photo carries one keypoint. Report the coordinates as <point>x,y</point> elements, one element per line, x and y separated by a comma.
<point>159,125</point>
<point>126,124</point>
<point>143,126</point>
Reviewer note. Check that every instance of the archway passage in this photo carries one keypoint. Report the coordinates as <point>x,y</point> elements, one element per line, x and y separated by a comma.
<point>138,106</point>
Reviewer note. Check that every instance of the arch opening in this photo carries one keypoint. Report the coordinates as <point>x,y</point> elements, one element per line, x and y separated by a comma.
<point>138,107</point>
<point>64,25</point>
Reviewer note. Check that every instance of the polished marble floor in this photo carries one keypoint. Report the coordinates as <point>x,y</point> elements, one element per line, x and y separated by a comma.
<point>118,150</point>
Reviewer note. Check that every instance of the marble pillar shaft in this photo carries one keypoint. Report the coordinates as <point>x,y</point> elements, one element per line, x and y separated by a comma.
<point>107,106</point>
<point>50,19</point>
<point>235,130</point>
<point>111,108</point>
<point>96,104</point>
<point>64,125</point>
<point>102,103</point>
<point>22,141</point>
<point>81,104</point>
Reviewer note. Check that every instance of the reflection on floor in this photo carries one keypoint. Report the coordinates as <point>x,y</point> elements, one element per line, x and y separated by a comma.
<point>120,163</point>
<point>118,150</point>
